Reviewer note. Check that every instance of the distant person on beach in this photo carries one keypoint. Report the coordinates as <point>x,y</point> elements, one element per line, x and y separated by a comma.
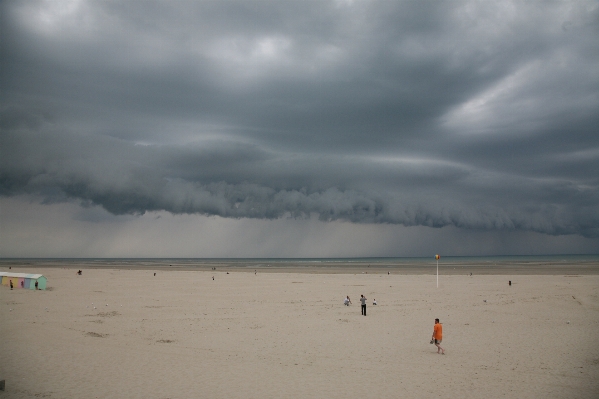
<point>374,302</point>
<point>79,272</point>
<point>22,284</point>
<point>347,301</point>
<point>438,336</point>
<point>36,285</point>
<point>11,284</point>
<point>363,300</point>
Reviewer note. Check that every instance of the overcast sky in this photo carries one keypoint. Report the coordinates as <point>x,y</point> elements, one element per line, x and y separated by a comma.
<point>298,128</point>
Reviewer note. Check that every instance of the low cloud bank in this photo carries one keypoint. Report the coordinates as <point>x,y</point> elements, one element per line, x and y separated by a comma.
<point>124,185</point>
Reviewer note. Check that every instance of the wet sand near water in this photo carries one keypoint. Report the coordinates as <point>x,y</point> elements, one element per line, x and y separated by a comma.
<point>447,268</point>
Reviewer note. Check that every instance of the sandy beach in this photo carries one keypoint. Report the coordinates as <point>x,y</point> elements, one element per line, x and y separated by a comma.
<point>122,332</point>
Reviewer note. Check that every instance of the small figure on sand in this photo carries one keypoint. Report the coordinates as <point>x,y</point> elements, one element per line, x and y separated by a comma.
<point>347,301</point>
<point>36,285</point>
<point>212,278</point>
<point>363,300</point>
<point>11,284</point>
<point>374,302</point>
<point>438,336</point>
<point>79,272</point>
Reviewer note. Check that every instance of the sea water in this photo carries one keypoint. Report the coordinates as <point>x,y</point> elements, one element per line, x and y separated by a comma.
<point>379,262</point>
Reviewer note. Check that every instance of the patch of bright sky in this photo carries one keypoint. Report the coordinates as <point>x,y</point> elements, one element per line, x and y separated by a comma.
<point>481,114</point>
<point>247,61</point>
<point>53,17</point>
<point>414,161</point>
<point>249,58</point>
<point>583,155</point>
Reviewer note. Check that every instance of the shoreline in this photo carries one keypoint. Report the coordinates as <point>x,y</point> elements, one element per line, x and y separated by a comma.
<point>457,268</point>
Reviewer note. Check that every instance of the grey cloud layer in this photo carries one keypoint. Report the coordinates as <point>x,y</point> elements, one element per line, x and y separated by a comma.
<point>477,115</point>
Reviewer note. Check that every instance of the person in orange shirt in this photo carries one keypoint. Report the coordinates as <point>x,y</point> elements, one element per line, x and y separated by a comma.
<point>438,336</point>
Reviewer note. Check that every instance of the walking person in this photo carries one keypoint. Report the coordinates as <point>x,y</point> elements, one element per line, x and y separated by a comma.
<point>11,284</point>
<point>438,336</point>
<point>363,300</point>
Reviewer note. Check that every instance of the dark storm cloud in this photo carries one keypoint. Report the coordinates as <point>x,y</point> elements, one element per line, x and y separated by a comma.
<point>477,115</point>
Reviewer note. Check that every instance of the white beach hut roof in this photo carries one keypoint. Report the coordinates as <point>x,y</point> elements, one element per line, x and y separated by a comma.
<point>21,275</point>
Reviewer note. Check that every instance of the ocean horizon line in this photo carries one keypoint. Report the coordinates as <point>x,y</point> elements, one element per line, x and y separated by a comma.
<point>375,259</point>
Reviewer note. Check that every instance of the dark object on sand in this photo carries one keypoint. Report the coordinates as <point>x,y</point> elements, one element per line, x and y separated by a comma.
<point>510,282</point>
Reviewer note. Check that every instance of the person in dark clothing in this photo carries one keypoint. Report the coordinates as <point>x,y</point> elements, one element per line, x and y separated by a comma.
<point>363,300</point>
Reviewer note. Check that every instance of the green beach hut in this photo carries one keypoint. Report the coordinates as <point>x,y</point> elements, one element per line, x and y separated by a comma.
<point>24,280</point>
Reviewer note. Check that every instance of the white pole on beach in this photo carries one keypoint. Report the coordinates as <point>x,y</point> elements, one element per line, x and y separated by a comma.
<point>437,257</point>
